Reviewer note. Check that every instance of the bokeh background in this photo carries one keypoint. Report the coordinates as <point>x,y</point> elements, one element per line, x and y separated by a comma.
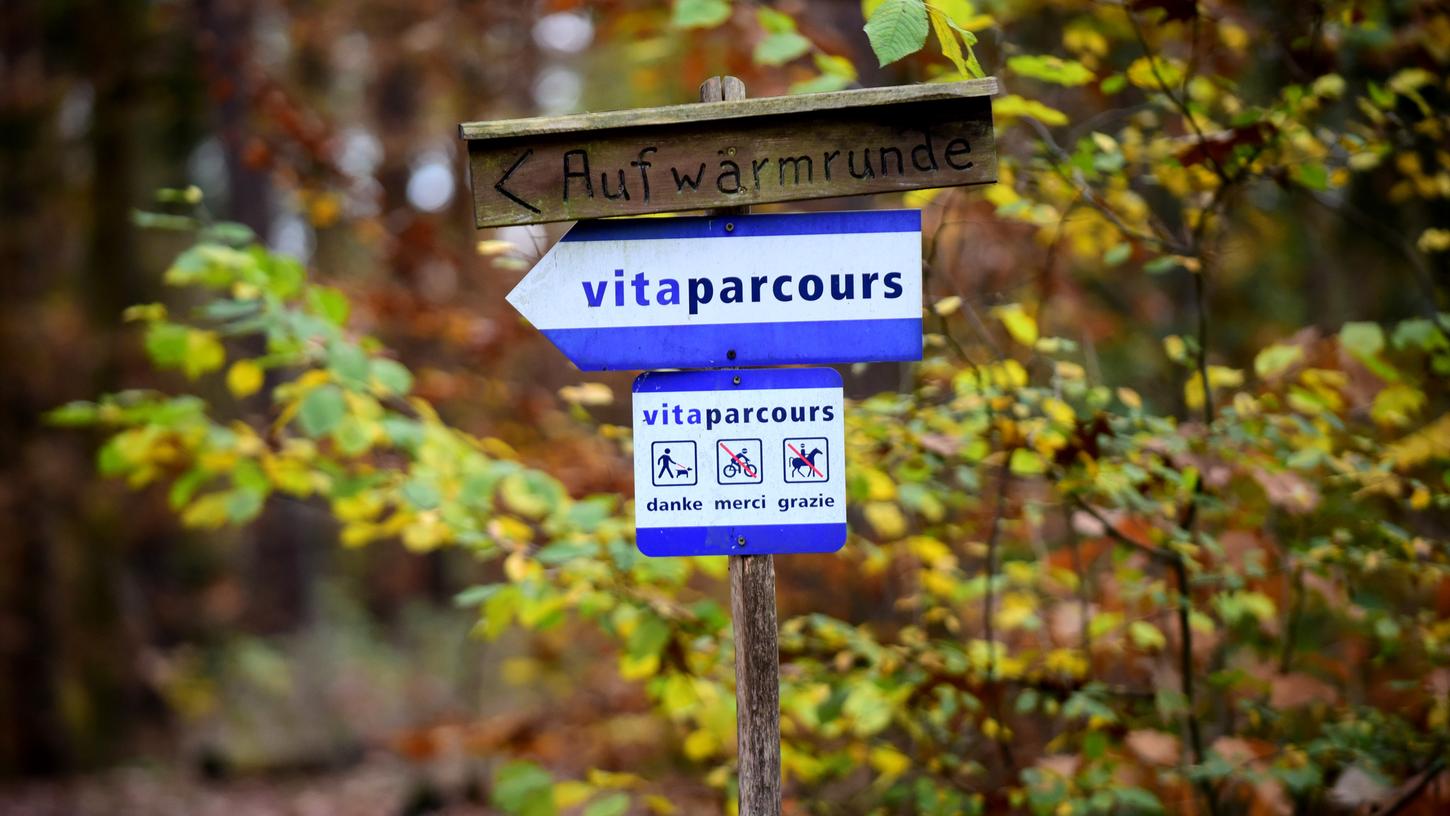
<point>146,668</point>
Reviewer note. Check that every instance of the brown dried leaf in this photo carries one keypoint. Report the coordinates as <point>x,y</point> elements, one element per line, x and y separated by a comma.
<point>1288,490</point>
<point>1294,690</point>
<point>940,444</point>
<point>1154,747</point>
<point>1356,787</point>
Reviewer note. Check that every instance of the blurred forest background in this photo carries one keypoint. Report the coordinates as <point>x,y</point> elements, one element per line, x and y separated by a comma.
<point>1159,525</point>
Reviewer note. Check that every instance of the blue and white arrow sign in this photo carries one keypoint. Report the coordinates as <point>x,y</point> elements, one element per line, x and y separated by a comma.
<point>743,290</point>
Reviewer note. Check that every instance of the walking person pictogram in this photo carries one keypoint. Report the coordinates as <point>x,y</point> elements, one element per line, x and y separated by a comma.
<point>673,463</point>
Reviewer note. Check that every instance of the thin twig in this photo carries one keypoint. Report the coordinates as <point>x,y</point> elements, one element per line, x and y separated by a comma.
<point>1431,771</point>
<point>1004,478</point>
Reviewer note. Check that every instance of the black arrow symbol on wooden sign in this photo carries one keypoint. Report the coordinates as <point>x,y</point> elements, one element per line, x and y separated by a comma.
<point>498,185</point>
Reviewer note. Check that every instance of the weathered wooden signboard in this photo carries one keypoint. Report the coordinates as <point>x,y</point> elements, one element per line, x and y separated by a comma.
<point>731,154</point>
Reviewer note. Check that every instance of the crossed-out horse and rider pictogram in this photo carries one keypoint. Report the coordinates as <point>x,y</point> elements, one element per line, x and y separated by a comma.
<point>806,459</point>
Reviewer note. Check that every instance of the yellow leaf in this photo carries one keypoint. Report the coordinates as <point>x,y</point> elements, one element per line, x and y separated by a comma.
<point>207,512</point>
<point>1059,411</point>
<point>1397,405</point>
<point>947,305</point>
<point>879,486</point>
<point>1012,106</point>
<point>700,745</point>
<point>204,353</point>
<point>1175,348</point>
<point>494,246</point>
<point>426,532</point>
<point>1018,322</point>
<point>921,199</point>
<point>951,48</point>
<point>1420,499</point>
<point>244,378</point>
<point>1148,73</point>
<point>639,668</point>
<point>890,762</point>
<point>1434,240</point>
<point>571,792</point>
<point>886,519</point>
<point>1027,463</point>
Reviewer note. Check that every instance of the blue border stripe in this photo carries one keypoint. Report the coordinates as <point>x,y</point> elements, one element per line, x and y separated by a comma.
<point>754,344</point>
<point>746,226</point>
<point>751,379</point>
<point>760,539</point>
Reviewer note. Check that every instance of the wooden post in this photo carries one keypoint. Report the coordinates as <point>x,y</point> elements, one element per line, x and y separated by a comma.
<point>757,682</point>
<point>752,610</point>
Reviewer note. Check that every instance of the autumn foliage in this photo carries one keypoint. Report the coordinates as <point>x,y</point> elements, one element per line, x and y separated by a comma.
<point>1157,525</point>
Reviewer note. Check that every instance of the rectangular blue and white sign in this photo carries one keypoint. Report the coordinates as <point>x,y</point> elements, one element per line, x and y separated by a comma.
<point>739,462</point>
<point>646,293</point>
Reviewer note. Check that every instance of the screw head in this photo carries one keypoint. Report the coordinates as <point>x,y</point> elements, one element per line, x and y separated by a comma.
<point>740,541</point>
<point>729,226</point>
<point>730,355</point>
<point>736,380</point>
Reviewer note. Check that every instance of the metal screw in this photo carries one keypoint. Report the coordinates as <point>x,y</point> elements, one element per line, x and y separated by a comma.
<point>729,226</point>
<point>736,380</point>
<point>730,355</point>
<point>740,540</point>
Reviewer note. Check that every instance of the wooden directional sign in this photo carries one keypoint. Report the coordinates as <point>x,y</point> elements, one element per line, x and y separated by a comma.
<point>640,293</point>
<point>729,154</point>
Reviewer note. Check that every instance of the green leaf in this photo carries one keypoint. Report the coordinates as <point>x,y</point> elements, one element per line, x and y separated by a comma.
<point>1117,254</point>
<point>74,414</point>
<point>612,804</point>
<point>1138,800</point>
<point>897,28</point>
<point>1419,333</point>
<point>329,304</point>
<point>1162,265</point>
<point>390,377</point>
<point>1051,69</point>
<point>524,789</point>
<point>244,505</point>
<point>353,436</point>
<point>166,344</point>
<point>1313,175</point>
<point>823,83</point>
<point>349,364</point>
<point>1146,636</point>
<point>774,22</point>
<point>778,49</point>
<point>648,638</point>
<point>1275,359</point>
<point>1363,340</point>
<point>1094,743</point>
<point>421,492</point>
<point>475,595</point>
<point>700,13</point>
<point>321,410</point>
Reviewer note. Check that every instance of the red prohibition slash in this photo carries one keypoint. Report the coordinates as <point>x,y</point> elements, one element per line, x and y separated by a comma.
<point>749,471</point>
<point>809,463</point>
